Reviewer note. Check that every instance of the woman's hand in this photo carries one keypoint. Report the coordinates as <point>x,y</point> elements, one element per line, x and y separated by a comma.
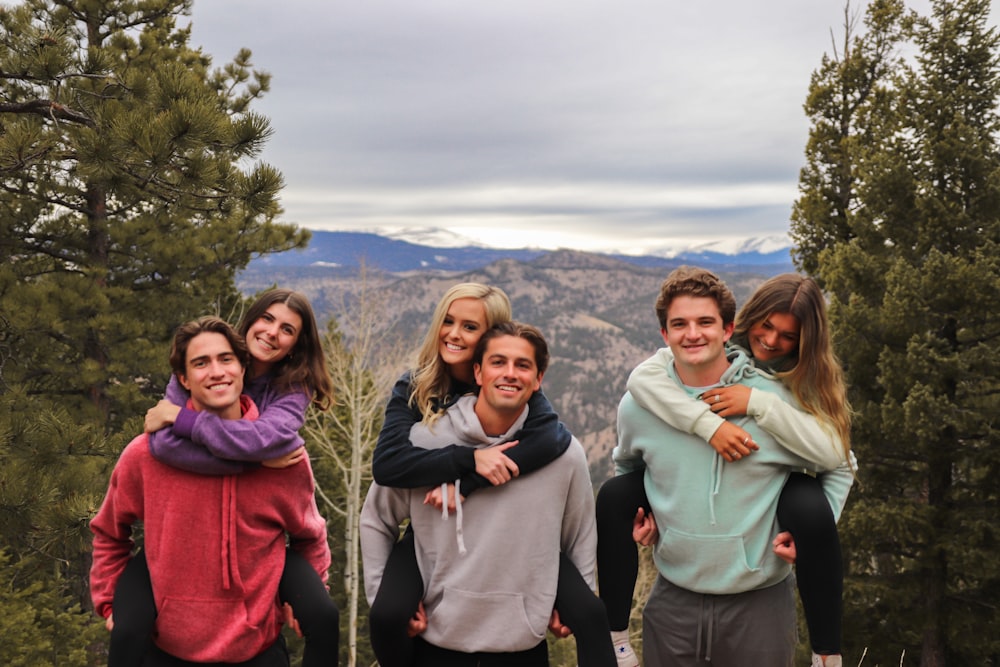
<point>732,442</point>
<point>731,401</point>
<point>162,414</point>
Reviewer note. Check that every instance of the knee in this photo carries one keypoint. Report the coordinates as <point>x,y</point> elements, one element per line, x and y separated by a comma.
<point>388,616</point>
<point>323,618</point>
<point>616,500</point>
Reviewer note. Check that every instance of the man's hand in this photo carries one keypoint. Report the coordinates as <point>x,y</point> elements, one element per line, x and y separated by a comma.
<point>162,414</point>
<point>291,621</point>
<point>732,442</point>
<point>287,460</point>
<point>434,499</point>
<point>494,465</point>
<point>784,547</point>
<point>644,530</point>
<point>418,623</point>
<point>109,622</point>
<point>556,627</point>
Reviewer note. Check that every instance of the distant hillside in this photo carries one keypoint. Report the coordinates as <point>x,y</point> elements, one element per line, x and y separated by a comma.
<point>345,251</point>
<point>595,310</point>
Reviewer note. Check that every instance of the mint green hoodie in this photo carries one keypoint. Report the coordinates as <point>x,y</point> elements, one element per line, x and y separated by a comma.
<point>716,519</point>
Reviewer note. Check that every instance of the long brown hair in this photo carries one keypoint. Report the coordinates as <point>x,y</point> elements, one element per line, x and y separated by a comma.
<point>814,376</point>
<point>430,380</point>
<point>304,369</point>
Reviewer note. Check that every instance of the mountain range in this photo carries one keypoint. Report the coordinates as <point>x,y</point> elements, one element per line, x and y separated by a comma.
<point>346,251</point>
<point>595,310</point>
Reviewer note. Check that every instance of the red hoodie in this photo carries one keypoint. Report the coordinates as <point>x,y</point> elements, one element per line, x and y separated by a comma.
<point>215,548</point>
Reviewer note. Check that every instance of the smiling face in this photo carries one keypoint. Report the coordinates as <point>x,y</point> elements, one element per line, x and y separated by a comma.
<point>273,336</point>
<point>777,335</point>
<point>696,336</point>
<point>508,376</point>
<point>213,375</point>
<point>461,329</point>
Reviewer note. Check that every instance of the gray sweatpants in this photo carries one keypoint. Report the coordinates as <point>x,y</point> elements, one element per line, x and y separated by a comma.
<point>685,629</point>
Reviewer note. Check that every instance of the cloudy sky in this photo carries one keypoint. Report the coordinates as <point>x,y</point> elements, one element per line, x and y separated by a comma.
<point>592,124</point>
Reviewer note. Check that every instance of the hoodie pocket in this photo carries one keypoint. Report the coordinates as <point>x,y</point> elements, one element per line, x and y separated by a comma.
<point>210,630</point>
<point>494,622</point>
<point>714,564</point>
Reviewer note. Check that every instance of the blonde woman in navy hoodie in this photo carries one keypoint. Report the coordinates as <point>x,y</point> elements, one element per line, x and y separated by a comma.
<point>442,373</point>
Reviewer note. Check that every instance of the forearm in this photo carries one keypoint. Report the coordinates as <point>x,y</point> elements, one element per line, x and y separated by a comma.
<point>179,452</point>
<point>796,430</point>
<point>396,462</point>
<point>379,530</point>
<point>837,485</point>
<point>654,388</point>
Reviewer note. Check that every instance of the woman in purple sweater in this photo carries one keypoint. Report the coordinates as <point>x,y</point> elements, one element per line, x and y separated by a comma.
<point>288,373</point>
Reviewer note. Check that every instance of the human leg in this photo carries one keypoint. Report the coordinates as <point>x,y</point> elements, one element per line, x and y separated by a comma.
<point>314,609</point>
<point>673,626</point>
<point>399,593</point>
<point>134,613</point>
<point>583,612</point>
<point>754,628</point>
<point>804,511</point>
<point>617,556</point>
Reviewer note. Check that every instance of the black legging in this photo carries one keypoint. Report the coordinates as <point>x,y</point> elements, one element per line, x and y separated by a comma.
<point>401,590</point>
<point>803,510</point>
<point>134,611</point>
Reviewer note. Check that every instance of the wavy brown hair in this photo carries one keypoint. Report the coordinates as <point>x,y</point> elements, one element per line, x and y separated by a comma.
<point>304,369</point>
<point>814,375</point>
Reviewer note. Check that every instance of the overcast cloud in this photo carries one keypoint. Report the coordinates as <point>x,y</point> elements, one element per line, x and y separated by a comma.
<point>592,124</point>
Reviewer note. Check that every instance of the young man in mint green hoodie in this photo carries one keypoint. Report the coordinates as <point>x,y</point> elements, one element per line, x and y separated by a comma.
<point>722,596</point>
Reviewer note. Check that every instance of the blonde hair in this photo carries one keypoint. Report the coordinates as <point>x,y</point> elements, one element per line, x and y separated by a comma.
<point>814,376</point>
<point>430,381</point>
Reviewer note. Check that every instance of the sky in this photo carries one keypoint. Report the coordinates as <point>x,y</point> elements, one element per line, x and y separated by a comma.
<point>625,125</point>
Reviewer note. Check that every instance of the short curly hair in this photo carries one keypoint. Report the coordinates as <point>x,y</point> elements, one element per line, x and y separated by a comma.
<point>694,281</point>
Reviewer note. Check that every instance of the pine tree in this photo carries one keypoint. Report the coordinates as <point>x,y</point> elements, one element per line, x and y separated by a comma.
<point>913,273</point>
<point>128,195</point>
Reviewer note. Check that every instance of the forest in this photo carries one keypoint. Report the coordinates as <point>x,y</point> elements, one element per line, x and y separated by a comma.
<point>132,195</point>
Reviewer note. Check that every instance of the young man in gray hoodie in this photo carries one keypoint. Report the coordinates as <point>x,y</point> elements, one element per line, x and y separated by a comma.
<point>490,570</point>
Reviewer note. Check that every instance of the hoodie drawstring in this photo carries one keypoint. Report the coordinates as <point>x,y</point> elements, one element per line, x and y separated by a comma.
<point>229,557</point>
<point>458,513</point>
<point>710,635</point>
<point>718,464</point>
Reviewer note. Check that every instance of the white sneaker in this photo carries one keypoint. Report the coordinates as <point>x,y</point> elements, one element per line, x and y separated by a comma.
<point>827,661</point>
<point>623,649</point>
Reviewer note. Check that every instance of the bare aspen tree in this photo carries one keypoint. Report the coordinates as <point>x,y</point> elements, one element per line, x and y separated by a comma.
<point>363,362</point>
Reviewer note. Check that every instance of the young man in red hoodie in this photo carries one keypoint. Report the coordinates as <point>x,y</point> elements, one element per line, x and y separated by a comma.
<point>215,546</point>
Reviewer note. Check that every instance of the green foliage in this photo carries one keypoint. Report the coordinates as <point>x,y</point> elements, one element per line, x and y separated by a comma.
<point>899,219</point>
<point>129,199</point>
<point>125,180</point>
<point>40,624</point>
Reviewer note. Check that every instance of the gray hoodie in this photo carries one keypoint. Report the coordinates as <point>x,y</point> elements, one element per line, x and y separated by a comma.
<point>498,595</point>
